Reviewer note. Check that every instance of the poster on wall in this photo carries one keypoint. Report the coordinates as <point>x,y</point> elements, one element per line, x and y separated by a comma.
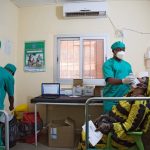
<point>7,46</point>
<point>34,56</point>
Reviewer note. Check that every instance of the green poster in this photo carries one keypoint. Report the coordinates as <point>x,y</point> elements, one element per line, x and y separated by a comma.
<point>34,56</point>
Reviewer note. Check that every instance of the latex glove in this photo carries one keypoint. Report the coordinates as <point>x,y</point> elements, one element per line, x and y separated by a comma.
<point>135,82</point>
<point>128,80</point>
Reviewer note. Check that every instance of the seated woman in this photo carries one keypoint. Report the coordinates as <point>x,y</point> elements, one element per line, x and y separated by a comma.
<point>126,116</point>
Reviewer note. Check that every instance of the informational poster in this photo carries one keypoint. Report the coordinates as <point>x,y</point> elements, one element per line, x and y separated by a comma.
<point>6,46</point>
<point>34,56</point>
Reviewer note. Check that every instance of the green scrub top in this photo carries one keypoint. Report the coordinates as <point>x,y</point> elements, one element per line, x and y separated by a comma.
<point>119,70</point>
<point>6,85</point>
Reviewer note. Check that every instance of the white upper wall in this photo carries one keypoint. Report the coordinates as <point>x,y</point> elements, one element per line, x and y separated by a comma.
<point>8,32</point>
<point>133,15</point>
<point>42,23</point>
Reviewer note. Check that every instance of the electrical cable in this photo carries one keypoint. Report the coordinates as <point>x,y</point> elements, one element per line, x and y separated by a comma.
<point>135,31</point>
<point>111,22</point>
<point>119,32</point>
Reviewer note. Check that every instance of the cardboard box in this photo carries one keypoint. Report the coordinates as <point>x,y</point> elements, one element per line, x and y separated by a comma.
<point>88,91</point>
<point>61,133</point>
<point>77,91</point>
<point>42,136</point>
<point>77,82</point>
<point>97,91</point>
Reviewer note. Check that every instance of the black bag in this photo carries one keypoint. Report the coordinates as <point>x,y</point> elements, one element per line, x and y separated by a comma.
<point>27,124</point>
<point>13,132</point>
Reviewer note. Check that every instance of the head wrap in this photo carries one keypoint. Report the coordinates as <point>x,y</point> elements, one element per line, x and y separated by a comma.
<point>11,68</point>
<point>117,44</point>
<point>143,83</point>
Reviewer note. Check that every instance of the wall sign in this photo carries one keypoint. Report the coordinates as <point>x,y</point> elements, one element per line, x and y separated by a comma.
<point>34,56</point>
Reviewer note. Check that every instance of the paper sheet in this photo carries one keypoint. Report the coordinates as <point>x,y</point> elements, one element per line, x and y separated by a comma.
<point>94,136</point>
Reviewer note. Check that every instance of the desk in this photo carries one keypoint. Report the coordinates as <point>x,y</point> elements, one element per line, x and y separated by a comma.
<point>62,100</point>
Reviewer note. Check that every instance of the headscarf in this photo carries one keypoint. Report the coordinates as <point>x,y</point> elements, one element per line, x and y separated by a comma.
<point>145,84</point>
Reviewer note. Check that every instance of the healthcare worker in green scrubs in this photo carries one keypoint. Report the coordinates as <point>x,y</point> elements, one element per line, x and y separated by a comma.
<point>7,86</point>
<point>116,73</point>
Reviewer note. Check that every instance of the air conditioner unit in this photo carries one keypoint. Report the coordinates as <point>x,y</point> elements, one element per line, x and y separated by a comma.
<point>84,10</point>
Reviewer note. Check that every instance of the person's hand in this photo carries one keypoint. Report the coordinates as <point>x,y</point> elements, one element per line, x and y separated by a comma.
<point>105,128</point>
<point>128,80</point>
<point>11,108</point>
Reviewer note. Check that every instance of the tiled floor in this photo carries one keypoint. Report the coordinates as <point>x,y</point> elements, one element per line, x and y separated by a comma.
<point>42,144</point>
<point>24,146</point>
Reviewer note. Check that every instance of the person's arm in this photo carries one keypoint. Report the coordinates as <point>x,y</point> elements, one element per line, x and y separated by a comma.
<point>109,75</point>
<point>114,81</point>
<point>136,116</point>
<point>9,87</point>
<point>11,101</point>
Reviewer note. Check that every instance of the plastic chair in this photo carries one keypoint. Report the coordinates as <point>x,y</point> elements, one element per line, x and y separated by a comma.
<point>137,137</point>
<point>6,147</point>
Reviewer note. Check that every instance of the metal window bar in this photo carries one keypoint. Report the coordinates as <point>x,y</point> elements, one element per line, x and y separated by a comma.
<point>100,100</point>
<point>6,147</point>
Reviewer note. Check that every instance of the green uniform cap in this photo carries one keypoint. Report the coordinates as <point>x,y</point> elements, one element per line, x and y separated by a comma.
<point>117,44</point>
<point>11,67</point>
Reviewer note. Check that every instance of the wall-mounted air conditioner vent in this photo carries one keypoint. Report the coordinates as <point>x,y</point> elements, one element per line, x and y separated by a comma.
<point>84,10</point>
<point>86,14</point>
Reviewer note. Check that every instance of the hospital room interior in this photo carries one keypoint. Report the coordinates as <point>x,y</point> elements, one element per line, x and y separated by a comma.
<point>74,74</point>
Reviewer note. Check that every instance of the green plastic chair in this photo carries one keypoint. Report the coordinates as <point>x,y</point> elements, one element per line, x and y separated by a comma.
<point>137,137</point>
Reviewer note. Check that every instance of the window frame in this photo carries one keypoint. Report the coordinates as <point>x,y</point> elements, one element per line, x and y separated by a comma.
<point>56,54</point>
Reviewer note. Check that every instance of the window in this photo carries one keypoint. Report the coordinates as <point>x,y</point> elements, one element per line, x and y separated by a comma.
<point>79,58</point>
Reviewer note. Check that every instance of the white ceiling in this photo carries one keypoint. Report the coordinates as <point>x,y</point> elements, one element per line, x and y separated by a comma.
<point>28,3</point>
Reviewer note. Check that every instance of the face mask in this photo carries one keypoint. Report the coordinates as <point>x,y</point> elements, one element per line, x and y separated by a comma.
<point>120,54</point>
